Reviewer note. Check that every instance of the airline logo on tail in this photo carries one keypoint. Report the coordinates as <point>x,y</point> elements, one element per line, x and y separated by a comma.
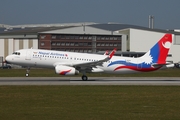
<point>160,50</point>
<point>155,56</point>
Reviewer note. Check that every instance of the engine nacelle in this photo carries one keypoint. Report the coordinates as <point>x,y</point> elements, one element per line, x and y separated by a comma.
<point>65,70</point>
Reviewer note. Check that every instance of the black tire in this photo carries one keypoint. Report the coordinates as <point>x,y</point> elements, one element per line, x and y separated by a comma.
<point>84,78</point>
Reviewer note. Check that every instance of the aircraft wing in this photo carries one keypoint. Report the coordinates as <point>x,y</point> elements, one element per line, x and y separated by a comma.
<point>90,65</point>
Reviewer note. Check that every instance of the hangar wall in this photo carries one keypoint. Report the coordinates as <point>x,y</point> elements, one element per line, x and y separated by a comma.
<point>175,49</point>
<point>8,46</point>
<point>142,41</point>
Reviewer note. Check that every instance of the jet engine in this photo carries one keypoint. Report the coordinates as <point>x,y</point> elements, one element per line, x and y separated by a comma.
<point>65,70</point>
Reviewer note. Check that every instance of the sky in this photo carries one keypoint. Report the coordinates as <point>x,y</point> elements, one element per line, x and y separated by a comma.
<point>135,12</point>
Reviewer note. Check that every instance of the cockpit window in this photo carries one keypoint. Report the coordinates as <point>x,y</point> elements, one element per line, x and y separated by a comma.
<point>16,53</point>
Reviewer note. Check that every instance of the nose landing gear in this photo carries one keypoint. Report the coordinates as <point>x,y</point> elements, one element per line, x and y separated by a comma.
<point>27,71</point>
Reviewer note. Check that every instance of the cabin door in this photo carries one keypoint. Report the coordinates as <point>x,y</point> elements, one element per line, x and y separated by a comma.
<point>28,55</point>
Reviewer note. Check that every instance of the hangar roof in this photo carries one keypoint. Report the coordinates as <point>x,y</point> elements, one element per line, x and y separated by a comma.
<point>29,30</point>
<point>109,28</point>
<point>116,27</point>
<point>88,30</point>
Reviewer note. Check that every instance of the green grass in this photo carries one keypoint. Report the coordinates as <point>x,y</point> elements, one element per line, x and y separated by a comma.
<point>173,72</point>
<point>89,102</point>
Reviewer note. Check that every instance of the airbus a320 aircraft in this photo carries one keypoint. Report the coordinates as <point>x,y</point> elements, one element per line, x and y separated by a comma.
<point>71,63</point>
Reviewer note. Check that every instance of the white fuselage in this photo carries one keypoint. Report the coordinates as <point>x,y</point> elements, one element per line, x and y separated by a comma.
<point>49,59</point>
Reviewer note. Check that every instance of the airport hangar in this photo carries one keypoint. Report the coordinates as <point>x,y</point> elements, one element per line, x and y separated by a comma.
<point>130,40</point>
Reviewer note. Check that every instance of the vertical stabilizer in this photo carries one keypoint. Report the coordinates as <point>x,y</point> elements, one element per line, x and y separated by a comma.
<point>158,53</point>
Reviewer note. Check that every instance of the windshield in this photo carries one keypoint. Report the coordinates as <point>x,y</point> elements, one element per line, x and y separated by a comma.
<point>16,53</point>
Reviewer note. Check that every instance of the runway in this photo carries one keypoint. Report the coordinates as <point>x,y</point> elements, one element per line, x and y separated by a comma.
<point>92,81</point>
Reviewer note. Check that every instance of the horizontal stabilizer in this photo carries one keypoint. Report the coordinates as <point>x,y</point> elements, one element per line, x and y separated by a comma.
<point>161,64</point>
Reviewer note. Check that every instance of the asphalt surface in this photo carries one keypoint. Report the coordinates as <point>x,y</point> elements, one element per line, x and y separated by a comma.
<point>92,81</point>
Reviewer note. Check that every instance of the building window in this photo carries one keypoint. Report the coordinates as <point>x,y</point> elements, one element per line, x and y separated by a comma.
<point>111,38</point>
<point>67,37</point>
<point>76,50</point>
<point>98,38</point>
<point>107,44</point>
<point>76,37</point>
<point>115,38</point>
<point>67,44</point>
<point>111,44</point>
<point>71,37</point>
<point>62,37</point>
<point>102,44</point>
<point>76,44</point>
<point>53,37</point>
<point>85,37</point>
<point>89,51</point>
<point>42,43</point>
<point>85,44</point>
<point>115,44</point>
<point>89,37</point>
<point>102,38</point>
<point>107,38</point>
<point>43,36</point>
<point>81,37</point>
<point>80,44</point>
<point>119,38</point>
<point>63,44</point>
<point>72,44</point>
<point>98,44</point>
<point>89,44</point>
<point>53,43</point>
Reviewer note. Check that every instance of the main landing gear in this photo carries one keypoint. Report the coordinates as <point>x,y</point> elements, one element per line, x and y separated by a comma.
<point>27,71</point>
<point>84,78</point>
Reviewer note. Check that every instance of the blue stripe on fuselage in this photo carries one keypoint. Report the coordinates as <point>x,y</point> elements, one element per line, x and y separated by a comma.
<point>119,62</point>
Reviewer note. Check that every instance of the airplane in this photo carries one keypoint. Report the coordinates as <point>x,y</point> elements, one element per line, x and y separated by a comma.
<point>72,63</point>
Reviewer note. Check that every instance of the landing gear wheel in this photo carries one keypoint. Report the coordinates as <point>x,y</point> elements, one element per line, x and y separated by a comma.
<point>27,74</point>
<point>84,78</point>
<point>27,71</point>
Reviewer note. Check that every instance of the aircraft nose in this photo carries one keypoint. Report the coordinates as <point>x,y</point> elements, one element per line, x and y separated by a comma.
<point>8,59</point>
